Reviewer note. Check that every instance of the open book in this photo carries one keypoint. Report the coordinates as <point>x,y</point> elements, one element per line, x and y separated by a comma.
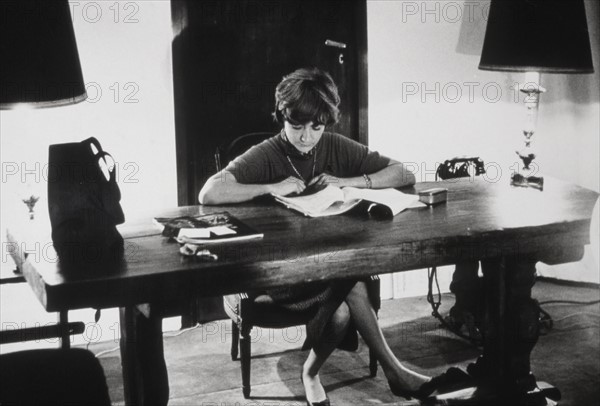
<point>206,229</point>
<point>333,200</point>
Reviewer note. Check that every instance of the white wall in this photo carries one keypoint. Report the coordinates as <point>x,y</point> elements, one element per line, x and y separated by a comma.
<point>403,49</point>
<point>429,102</point>
<point>126,62</point>
<point>127,70</point>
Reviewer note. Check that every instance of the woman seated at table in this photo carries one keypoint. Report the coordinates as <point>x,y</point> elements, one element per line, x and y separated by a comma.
<point>301,155</point>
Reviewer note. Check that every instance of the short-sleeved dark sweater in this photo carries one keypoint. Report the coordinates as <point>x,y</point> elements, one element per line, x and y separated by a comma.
<point>334,154</point>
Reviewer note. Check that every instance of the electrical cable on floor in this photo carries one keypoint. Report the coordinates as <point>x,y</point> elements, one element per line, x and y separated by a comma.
<point>435,304</point>
<point>180,332</point>
<point>577,314</point>
<point>164,335</point>
<point>101,353</point>
<point>577,327</point>
<point>547,323</point>
<point>545,319</point>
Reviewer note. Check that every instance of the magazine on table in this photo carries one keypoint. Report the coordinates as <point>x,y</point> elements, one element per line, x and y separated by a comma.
<point>206,229</point>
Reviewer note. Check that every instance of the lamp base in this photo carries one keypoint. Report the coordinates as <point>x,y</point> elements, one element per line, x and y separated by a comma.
<point>536,182</point>
<point>526,156</point>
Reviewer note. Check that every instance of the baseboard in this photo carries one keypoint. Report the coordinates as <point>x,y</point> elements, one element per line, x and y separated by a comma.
<point>564,282</point>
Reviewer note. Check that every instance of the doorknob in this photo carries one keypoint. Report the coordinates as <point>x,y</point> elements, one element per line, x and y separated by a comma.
<point>335,44</point>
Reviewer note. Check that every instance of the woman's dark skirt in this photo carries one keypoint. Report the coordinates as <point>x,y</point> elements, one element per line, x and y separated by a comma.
<point>317,303</point>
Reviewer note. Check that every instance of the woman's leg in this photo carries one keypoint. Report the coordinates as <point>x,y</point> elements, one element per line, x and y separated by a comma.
<point>334,332</point>
<point>366,323</point>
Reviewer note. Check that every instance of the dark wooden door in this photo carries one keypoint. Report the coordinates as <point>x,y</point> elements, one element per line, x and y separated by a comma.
<point>229,55</point>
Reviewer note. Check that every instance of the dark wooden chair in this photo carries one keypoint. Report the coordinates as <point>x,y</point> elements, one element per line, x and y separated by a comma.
<point>49,376</point>
<point>228,152</point>
<point>52,377</point>
<point>245,313</point>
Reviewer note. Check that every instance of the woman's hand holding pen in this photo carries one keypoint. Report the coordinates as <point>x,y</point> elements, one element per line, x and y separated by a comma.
<point>324,179</point>
<point>288,186</point>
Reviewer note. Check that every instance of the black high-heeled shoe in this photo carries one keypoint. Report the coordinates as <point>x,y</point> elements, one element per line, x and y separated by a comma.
<point>405,393</point>
<point>452,377</point>
<point>320,403</point>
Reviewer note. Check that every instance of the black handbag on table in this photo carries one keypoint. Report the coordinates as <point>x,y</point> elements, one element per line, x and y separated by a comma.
<point>84,203</point>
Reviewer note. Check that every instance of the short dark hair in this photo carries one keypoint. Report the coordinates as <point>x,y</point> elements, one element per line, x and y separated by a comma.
<point>307,95</point>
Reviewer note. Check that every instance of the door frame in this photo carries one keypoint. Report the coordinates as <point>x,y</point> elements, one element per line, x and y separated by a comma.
<point>185,181</point>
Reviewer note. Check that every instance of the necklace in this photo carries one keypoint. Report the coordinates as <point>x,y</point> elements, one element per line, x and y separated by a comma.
<point>296,170</point>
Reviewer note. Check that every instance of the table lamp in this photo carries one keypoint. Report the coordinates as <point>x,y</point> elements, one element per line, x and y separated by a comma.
<point>40,63</point>
<point>535,37</point>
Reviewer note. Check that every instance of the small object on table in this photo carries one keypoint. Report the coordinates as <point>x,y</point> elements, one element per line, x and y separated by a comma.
<point>192,250</point>
<point>433,196</point>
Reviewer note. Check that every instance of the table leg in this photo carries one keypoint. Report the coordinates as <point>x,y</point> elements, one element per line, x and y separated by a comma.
<point>523,321</point>
<point>65,337</point>
<point>511,331</point>
<point>511,321</point>
<point>145,379</point>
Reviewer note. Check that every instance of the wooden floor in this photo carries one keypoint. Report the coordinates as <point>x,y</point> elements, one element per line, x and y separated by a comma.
<point>202,373</point>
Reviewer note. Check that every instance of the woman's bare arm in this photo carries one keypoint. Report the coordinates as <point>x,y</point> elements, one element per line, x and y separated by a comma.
<point>394,175</point>
<point>223,188</point>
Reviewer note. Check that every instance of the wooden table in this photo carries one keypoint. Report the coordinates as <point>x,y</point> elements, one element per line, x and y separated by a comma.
<point>507,228</point>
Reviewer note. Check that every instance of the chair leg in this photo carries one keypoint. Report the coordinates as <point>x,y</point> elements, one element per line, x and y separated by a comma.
<point>372,364</point>
<point>63,321</point>
<point>372,357</point>
<point>245,351</point>
<point>235,340</point>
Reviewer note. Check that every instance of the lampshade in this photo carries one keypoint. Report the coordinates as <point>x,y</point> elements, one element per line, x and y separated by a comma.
<point>40,64</point>
<point>549,36</point>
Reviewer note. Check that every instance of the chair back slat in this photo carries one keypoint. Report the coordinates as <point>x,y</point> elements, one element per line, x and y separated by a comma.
<point>228,152</point>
